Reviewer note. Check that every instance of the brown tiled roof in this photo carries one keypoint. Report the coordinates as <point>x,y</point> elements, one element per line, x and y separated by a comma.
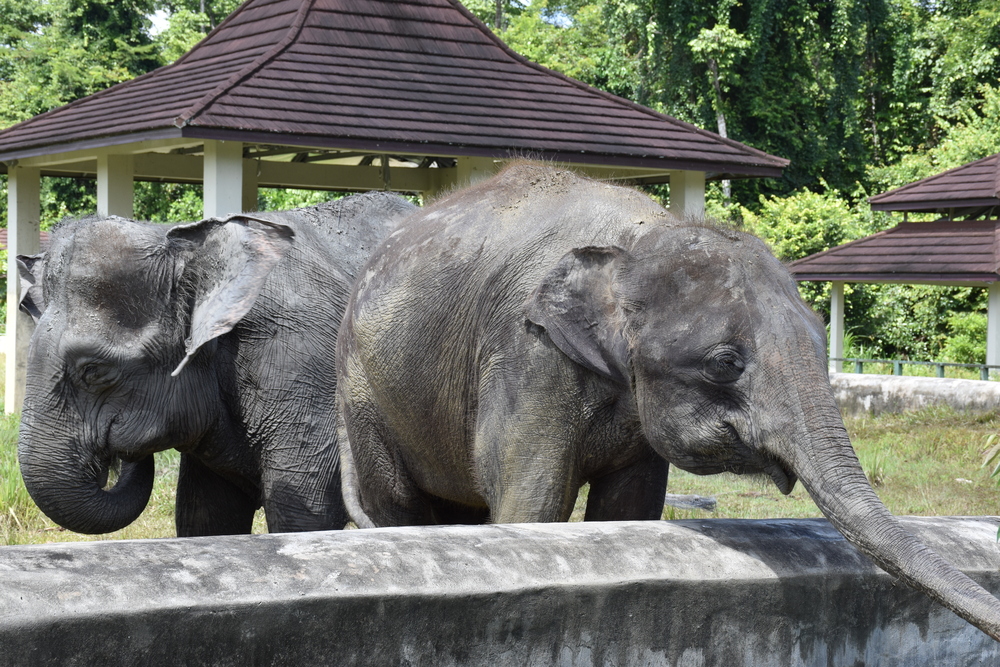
<point>44,238</point>
<point>942,251</point>
<point>407,76</point>
<point>971,186</point>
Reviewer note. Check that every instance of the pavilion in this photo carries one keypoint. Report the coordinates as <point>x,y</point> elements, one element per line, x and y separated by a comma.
<point>346,95</point>
<point>961,248</point>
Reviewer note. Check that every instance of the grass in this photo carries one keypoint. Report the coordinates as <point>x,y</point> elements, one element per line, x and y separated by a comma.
<point>21,522</point>
<point>924,463</point>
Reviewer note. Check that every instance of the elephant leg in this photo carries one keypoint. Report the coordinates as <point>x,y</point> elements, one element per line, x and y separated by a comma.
<point>387,492</point>
<point>301,486</point>
<point>525,451</point>
<point>632,493</point>
<point>210,504</point>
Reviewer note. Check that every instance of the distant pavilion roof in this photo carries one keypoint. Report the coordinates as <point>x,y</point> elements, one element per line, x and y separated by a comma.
<point>422,77</point>
<point>967,191</point>
<point>944,252</point>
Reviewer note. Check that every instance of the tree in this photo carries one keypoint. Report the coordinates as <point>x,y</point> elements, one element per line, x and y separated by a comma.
<point>64,49</point>
<point>720,47</point>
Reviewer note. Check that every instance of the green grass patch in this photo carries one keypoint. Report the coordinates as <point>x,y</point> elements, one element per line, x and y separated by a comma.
<point>927,463</point>
<point>21,522</point>
<point>924,463</point>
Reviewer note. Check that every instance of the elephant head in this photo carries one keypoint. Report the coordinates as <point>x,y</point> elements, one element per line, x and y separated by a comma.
<point>127,318</point>
<point>705,333</point>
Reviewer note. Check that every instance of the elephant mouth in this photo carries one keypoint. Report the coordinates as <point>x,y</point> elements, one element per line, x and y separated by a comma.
<point>782,478</point>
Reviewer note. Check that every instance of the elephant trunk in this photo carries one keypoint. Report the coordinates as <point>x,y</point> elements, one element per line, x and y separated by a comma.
<point>66,482</point>
<point>829,469</point>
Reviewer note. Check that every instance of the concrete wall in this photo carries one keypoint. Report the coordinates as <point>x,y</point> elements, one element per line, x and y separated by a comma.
<point>730,593</point>
<point>874,394</point>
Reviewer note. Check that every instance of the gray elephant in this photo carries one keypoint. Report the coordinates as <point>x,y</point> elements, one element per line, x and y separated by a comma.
<point>215,338</point>
<point>540,330</point>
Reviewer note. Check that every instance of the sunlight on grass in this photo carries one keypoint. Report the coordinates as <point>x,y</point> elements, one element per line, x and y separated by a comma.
<point>924,463</point>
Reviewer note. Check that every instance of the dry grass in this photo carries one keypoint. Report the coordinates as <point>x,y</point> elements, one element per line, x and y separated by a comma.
<point>926,463</point>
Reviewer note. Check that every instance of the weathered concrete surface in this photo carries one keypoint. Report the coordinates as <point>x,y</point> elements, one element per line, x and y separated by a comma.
<point>687,593</point>
<point>874,394</point>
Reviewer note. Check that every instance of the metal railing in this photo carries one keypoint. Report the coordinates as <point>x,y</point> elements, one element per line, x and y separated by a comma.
<point>897,365</point>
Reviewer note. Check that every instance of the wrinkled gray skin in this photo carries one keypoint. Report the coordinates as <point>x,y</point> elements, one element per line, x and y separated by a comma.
<point>539,331</point>
<point>244,313</point>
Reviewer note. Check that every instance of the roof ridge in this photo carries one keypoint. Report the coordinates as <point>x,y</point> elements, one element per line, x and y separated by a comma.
<point>783,162</point>
<point>293,32</point>
<point>902,188</point>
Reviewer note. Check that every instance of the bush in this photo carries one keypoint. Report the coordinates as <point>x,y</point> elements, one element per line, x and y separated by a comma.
<point>967,344</point>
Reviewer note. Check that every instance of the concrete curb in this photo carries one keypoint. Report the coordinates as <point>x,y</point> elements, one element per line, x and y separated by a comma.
<point>874,394</point>
<point>685,593</point>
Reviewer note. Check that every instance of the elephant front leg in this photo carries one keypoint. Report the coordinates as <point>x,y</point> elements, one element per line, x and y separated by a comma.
<point>632,493</point>
<point>210,504</point>
<point>525,462</point>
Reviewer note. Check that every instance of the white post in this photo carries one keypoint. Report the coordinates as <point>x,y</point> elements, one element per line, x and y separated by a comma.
<point>993,327</point>
<point>249,186</point>
<point>223,178</point>
<point>687,194</point>
<point>472,170</point>
<point>837,327</point>
<point>23,215</point>
<point>114,185</point>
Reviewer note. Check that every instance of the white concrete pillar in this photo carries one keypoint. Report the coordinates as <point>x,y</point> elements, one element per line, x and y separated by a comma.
<point>23,215</point>
<point>114,185</point>
<point>993,328</point>
<point>837,327</point>
<point>471,170</point>
<point>223,178</point>
<point>687,194</point>
<point>249,198</point>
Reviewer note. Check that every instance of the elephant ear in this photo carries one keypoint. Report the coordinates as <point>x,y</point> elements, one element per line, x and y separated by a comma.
<point>576,305</point>
<point>227,261</point>
<point>31,268</point>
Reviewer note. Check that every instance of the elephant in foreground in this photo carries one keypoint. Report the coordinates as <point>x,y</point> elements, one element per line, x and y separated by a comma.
<point>215,338</point>
<point>541,330</point>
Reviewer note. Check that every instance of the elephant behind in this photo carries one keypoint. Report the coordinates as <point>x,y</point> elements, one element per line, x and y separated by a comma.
<point>540,331</point>
<point>215,338</point>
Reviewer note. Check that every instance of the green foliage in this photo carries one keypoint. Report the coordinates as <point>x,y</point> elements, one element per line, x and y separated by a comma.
<point>912,321</point>
<point>14,499</point>
<point>184,30</point>
<point>971,134</point>
<point>805,223</point>
<point>213,11</point>
<point>59,50</point>
<point>168,202</point>
<point>571,39</point>
<point>967,341</point>
<point>277,199</point>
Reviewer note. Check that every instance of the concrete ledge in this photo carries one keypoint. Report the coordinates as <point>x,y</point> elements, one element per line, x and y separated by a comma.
<point>874,394</point>
<point>685,593</point>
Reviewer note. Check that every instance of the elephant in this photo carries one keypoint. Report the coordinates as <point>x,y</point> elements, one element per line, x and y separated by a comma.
<point>215,338</point>
<point>542,330</point>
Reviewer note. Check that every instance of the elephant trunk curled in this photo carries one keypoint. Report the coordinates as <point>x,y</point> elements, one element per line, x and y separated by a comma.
<point>65,477</point>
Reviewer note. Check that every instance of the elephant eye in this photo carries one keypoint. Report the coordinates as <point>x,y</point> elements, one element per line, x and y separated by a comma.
<point>724,366</point>
<point>96,374</point>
